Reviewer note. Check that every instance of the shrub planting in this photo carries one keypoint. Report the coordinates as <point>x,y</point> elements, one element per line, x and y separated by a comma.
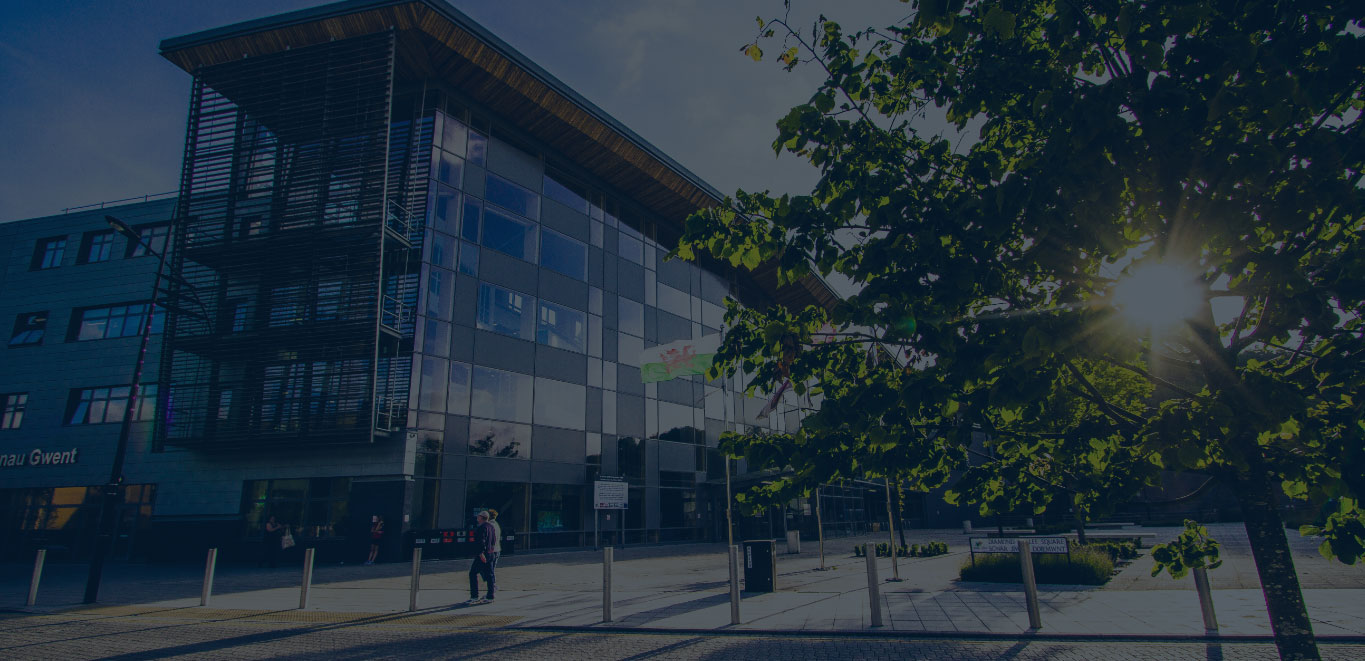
<point>1087,566</point>
<point>883,550</point>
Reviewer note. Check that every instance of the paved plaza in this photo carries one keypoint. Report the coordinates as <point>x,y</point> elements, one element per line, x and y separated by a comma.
<point>678,595</point>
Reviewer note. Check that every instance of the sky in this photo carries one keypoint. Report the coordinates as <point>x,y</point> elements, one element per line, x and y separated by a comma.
<point>92,113</point>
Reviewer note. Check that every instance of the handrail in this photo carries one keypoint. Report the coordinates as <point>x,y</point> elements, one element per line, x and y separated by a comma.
<point>100,205</point>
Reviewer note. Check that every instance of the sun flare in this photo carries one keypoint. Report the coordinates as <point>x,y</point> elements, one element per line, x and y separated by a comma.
<point>1158,296</point>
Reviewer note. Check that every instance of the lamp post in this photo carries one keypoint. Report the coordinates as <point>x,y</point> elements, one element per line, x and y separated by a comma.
<point>112,489</point>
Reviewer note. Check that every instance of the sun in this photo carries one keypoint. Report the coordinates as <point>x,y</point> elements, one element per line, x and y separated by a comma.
<point>1158,296</point>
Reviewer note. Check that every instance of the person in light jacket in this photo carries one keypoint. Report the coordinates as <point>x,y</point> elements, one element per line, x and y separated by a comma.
<point>484,537</point>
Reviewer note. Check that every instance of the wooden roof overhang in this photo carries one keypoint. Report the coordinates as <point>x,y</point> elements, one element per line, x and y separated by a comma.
<point>437,41</point>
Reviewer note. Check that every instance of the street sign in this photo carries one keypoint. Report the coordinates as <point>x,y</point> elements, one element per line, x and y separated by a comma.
<point>610,494</point>
<point>1011,544</point>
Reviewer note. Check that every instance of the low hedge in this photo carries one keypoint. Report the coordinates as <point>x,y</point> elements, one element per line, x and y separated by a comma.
<point>1118,549</point>
<point>1087,566</point>
<point>926,550</point>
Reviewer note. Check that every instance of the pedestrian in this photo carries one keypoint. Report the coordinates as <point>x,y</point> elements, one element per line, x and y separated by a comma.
<point>271,540</point>
<point>497,535</point>
<point>376,536</point>
<point>483,562</point>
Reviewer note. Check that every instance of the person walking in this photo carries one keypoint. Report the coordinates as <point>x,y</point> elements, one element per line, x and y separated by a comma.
<point>497,536</point>
<point>376,536</point>
<point>484,536</point>
<point>271,540</point>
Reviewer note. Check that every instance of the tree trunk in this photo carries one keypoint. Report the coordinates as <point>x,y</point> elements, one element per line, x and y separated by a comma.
<point>1080,525</point>
<point>900,520</point>
<point>1275,566</point>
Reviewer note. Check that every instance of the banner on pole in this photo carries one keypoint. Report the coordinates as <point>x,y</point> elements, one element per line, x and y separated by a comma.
<point>679,358</point>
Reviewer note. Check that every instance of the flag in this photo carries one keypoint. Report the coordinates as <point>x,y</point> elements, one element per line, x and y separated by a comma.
<point>771,406</point>
<point>680,358</point>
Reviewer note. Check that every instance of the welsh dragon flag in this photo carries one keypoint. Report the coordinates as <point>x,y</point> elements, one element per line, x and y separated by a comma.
<point>680,358</point>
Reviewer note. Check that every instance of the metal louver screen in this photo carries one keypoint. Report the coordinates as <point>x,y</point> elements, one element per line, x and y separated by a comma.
<point>273,335</point>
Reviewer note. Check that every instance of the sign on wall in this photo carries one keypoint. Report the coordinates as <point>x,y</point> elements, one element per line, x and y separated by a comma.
<point>39,457</point>
<point>610,494</point>
<point>1011,544</point>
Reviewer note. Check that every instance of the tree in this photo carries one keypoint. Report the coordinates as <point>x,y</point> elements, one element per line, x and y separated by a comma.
<point>1100,138</point>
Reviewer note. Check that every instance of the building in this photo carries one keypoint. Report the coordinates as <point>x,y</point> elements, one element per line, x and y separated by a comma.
<point>411,276</point>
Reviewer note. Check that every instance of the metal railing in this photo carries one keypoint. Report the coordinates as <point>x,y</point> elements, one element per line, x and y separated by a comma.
<point>144,198</point>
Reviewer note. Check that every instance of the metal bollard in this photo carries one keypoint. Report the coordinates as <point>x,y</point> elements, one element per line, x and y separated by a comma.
<point>1035,619</point>
<point>874,593</point>
<point>416,579</point>
<point>210,566</point>
<point>38,561</point>
<point>606,583</point>
<point>734,584</point>
<point>307,578</point>
<point>1201,585</point>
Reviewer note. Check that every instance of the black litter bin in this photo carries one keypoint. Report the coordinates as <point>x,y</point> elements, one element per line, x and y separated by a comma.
<point>760,565</point>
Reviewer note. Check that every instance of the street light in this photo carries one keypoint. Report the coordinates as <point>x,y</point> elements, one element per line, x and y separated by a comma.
<point>108,524</point>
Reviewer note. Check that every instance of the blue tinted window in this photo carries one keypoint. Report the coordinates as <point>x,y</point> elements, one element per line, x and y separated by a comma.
<point>505,233</point>
<point>505,311</point>
<point>469,259</point>
<point>561,327</point>
<point>561,254</point>
<point>630,247</point>
<point>630,317</point>
<point>447,168</point>
<point>478,148</point>
<point>565,195</point>
<point>443,208</point>
<point>512,197</point>
<point>473,213</point>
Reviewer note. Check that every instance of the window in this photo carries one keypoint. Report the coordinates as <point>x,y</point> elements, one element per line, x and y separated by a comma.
<point>432,393</point>
<point>99,247</point>
<point>469,259</point>
<point>478,148</point>
<point>501,395</point>
<point>443,206</point>
<point>115,321</point>
<point>313,507</point>
<point>629,245</point>
<point>286,305</point>
<point>512,197</point>
<point>561,327</point>
<point>505,311</point>
<point>675,301</point>
<point>561,254</point>
<point>631,317</point>
<point>154,236</point>
<point>473,213</point>
<point>493,438</point>
<point>560,404</point>
<point>510,235</point>
<point>565,195</point>
<point>457,397</point>
<point>12,408</point>
<point>447,168</point>
<point>93,406</point>
<point>330,294</point>
<point>48,253</point>
<point>28,329</point>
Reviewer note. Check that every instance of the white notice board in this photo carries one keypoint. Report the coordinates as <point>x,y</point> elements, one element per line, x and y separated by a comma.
<point>1011,544</point>
<point>610,495</point>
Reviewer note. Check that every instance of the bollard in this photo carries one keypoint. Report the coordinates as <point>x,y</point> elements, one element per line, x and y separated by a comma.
<point>966,526</point>
<point>1035,619</point>
<point>606,583</point>
<point>1201,585</point>
<point>874,593</point>
<point>734,585</point>
<point>416,583</point>
<point>38,561</point>
<point>307,578</point>
<point>210,566</point>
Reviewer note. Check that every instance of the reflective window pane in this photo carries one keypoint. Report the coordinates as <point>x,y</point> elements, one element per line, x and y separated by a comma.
<point>440,250</point>
<point>628,350</point>
<point>505,311</point>
<point>432,394</point>
<point>435,338</point>
<point>505,233</point>
<point>439,294</point>
<point>473,215</point>
<point>630,247</point>
<point>563,255</point>
<point>469,259</point>
<point>565,194</point>
<point>501,395</point>
<point>560,404</point>
<point>492,438</point>
<point>457,395</point>
<point>561,327</point>
<point>630,317</point>
<point>443,208</point>
<point>512,197</point>
<point>674,301</point>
